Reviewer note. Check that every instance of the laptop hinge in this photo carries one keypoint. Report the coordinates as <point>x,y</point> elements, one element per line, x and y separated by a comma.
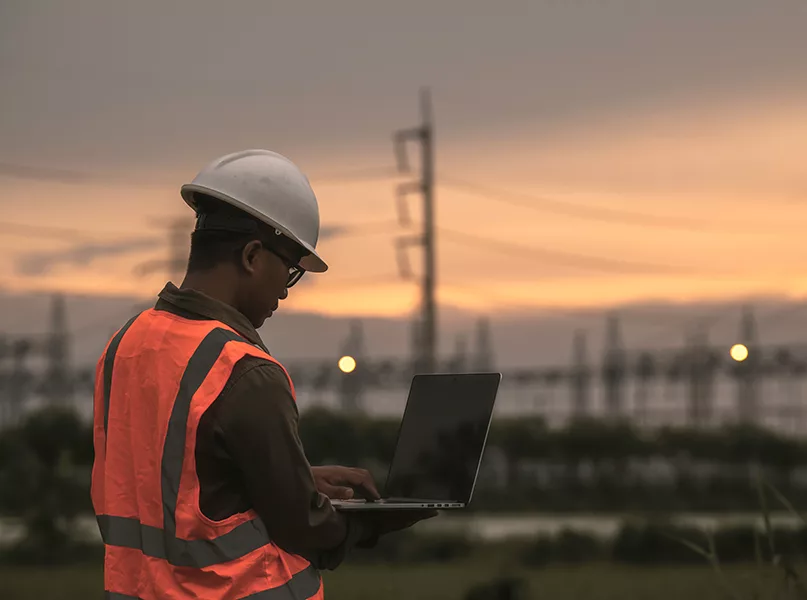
<point>422,500</point>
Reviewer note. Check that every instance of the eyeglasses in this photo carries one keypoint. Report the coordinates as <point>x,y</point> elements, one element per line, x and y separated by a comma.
<point>295,272</point>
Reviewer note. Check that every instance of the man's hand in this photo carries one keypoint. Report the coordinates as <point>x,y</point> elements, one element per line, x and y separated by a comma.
<point>339,483</point>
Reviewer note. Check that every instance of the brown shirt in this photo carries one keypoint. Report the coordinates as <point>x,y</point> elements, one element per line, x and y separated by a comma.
<point>249,454</point>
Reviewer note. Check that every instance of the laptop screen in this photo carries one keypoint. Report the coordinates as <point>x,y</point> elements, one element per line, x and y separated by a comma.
<point>442,437</point>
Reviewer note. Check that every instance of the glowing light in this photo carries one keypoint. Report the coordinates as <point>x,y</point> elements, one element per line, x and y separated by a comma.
<point>347,364</point>
<point>739,352</point>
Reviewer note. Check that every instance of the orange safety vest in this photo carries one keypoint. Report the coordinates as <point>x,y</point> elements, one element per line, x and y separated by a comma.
<point>156,378</point>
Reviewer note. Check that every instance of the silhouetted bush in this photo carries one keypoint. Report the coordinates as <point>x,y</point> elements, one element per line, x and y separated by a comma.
<point>413,548</point>
<point>568,547</point>
<point>441,548</point>
<point>501,588</point>
<point>661,544</point>
<point>575,547</point>
<point>588,466</point>
<point>390,548</point>
<point>332,435</point>
<point>33,551</point>
<point>543,468</point>
<point>45,481</point>
<point>538,553</point>
<point>649,544</point>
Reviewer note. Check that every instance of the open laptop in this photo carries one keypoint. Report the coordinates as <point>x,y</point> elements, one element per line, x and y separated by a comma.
<point>440,444</point>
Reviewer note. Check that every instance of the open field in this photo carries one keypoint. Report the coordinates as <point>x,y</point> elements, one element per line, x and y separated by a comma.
<point>590,582</point>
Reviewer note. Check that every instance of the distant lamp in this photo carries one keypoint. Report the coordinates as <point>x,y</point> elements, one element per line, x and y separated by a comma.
<point>739,352</point>
<point>347,364</point>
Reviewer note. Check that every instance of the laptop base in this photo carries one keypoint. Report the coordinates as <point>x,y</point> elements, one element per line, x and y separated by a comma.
<point>394,504</point>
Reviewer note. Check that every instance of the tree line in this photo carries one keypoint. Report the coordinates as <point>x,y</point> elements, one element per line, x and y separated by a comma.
<point>591,466</point>
<point>342,437</point>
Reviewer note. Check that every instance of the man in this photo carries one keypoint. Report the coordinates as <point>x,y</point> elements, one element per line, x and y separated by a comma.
<point>200,483</point>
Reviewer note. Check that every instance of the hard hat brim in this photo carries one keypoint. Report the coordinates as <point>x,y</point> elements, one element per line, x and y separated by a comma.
<point>311,262</point>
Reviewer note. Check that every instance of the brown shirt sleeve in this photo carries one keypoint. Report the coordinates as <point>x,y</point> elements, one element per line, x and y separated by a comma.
<point>257,419</point>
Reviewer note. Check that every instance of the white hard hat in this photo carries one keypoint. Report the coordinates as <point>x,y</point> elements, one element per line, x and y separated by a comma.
<point>269,187</point>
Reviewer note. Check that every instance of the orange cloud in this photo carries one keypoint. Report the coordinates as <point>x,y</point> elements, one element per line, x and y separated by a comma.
<point>737,169</point>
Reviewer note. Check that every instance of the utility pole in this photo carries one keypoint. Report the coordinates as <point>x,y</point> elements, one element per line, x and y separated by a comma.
<point>427,354</point>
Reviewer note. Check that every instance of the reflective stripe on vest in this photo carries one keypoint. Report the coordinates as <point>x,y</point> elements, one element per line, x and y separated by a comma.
<point>303,585</point>
<point>109,359</point>
<point>157,543</point>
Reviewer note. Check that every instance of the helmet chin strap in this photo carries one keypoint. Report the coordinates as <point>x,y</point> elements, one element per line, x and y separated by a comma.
<point>228,221</point>
<point>221,221</point>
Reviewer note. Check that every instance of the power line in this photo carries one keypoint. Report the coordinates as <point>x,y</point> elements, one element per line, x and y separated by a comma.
<point>86,235</point>
<point>74,177</point>
<point>484,291</point>
<point>581,211</point>
<point>67,233</point>
<point>784,311</point>
<point>361,281</point>
<point>119,314</point>
<point>702,322</point>
<point>708,321</point>
<point>558,257</point>
<point>358,229</point>
<point>91,326</point>
<point>362,174</point>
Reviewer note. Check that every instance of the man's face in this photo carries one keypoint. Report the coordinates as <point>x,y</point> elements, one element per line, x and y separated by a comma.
<point>266,281</point>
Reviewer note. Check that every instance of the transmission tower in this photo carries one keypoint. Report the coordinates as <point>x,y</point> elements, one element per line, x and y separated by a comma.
<point>613,368</point>
<point>57,387</point>
<point>701,379</point>
<point>459,362</point>
<point>426,360</point>
<point>352,384</point>
<point>20,382</point>
<point>747,371</point>
<point>581,376</point>
<point>178,249</point>
<point>5,376</point>
<point>483,355</point>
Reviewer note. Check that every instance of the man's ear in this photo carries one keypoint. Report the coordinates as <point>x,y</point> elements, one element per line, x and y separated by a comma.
<point>250,254</point>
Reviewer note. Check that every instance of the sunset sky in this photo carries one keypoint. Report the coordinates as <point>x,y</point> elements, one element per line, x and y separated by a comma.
<point>589,153</point>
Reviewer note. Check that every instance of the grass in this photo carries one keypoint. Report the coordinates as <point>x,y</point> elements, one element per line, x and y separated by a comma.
<point>587,582</point>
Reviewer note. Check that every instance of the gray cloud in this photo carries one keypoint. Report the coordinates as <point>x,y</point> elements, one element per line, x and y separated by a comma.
<point>41,263</point>
<point>39,174</point>
<point>142,85</point>
<point>327,232</point>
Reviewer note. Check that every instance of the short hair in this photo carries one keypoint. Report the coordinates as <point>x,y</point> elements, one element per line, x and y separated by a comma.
<point>212,246</point>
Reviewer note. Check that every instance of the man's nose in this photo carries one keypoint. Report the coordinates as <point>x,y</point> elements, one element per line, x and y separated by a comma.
<point>285,294</point>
